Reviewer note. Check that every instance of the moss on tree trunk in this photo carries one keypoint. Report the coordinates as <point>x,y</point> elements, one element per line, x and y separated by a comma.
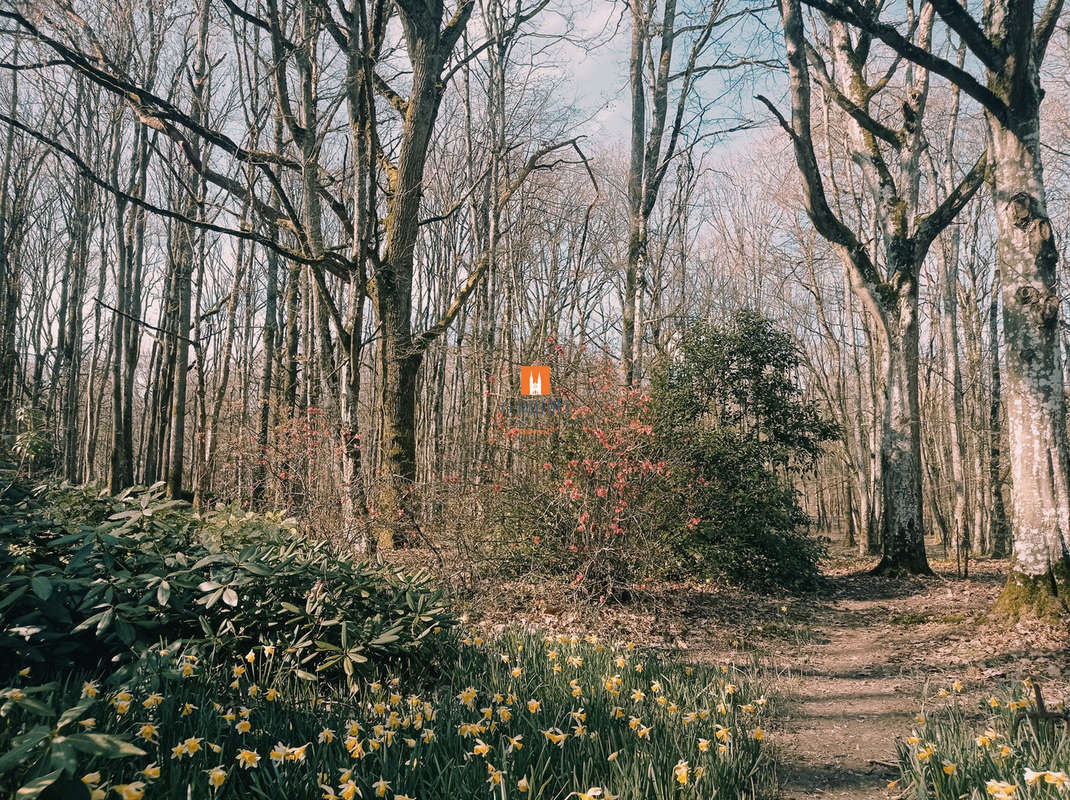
<point>1046,596</point>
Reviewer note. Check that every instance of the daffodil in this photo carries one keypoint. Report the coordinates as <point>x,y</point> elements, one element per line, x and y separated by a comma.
<point>152,771</point>
<point>381,786</point>
<point>91,778</point>
<point>90,689</point>
<point>1001,790</point>
<point>296,753</point>
<point>325,735</point>
<point>949,768</point>
<point>555,736</point>
<point>248,758</point>
<point>522,785</point>
<point>216,776</point>
<point>152,700</point>
<point>1058,779</point>
<point>468,697</point>
<point>130,791</point>
<point>533,706</point>
<point>681,772</point>
<point>355,747</point>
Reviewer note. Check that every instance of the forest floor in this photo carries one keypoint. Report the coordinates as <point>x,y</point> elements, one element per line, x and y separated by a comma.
<point>849,667</point>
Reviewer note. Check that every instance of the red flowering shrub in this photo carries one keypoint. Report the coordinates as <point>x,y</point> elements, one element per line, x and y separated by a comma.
<point>597,496</point>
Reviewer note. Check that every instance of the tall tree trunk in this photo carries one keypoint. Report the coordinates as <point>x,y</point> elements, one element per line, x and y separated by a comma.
<point>636,219</point>
<point>1000,533</point>
<point>903,531</point>
<point>1036,405</point>
<point>259,475</point>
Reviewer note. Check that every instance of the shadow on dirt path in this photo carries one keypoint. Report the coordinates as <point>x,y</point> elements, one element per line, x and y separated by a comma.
<point>875,650</point>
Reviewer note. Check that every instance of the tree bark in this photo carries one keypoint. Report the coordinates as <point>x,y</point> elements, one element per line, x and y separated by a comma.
<point>1036,406</point>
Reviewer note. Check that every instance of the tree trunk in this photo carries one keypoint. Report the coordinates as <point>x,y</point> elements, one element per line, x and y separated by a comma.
<point>259,475</point>
<point>1036,408</point>
<point>636,218</point>
<point>1000,533</point>
<point>902,533</point>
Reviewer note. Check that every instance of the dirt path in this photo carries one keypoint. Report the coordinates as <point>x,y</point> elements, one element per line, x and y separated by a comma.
<point>846,699</point>
<point>876,649</point>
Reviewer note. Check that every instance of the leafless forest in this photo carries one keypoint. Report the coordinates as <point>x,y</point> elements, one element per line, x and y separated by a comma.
<point>292,255</point>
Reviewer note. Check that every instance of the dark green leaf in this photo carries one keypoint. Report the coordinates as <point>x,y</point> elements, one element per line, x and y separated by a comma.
<point>104,744</point>
<point>37,785</point>
<point>42,586</point>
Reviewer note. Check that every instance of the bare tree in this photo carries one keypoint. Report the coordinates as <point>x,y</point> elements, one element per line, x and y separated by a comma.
<point>889,294</point>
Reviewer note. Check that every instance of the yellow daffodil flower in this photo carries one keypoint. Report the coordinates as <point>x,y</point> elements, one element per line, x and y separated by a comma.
<point>216,776</point>
<point>248,758</point>
<point>130,791</point>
